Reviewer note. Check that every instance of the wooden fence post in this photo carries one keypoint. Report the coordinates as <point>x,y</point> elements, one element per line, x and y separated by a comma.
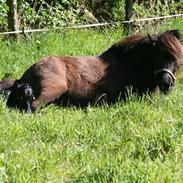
<point>128,15</point>
<point>13,22</point>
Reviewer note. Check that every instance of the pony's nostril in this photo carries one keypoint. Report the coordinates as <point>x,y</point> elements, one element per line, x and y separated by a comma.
<point>171,84</point>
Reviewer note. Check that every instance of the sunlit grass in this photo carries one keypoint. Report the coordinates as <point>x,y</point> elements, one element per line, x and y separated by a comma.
<point>140,140</point>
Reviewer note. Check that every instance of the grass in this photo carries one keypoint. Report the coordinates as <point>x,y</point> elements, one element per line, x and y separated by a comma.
<point>140,140</point>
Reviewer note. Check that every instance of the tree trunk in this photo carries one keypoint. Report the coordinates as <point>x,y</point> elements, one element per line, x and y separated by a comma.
<point>128,15</point>
<point>13,22</point>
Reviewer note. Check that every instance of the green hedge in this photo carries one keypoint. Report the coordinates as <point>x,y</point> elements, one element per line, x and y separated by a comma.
<point>46,13</point>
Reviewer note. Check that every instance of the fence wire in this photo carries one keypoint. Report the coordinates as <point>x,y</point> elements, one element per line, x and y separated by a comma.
<point>93,25</point>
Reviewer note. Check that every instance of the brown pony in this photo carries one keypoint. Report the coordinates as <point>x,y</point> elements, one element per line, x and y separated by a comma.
<point>143,62</point>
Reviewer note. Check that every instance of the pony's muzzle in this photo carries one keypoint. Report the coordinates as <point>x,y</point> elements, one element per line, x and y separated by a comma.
<point>165,82</point>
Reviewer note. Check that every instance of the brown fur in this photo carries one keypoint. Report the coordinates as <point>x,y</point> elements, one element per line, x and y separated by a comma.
<point>6,84</point>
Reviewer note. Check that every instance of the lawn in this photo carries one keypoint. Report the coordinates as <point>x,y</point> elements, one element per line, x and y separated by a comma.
<point>140,140</point>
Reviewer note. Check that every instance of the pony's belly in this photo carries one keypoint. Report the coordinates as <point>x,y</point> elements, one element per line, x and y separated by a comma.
<point>83,93</point>
<point>76,99</point>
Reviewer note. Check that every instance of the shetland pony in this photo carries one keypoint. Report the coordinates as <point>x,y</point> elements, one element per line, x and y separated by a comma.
<point>145,63</point>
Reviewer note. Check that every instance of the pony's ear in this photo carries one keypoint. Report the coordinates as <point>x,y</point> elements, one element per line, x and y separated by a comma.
<point>152,39</point>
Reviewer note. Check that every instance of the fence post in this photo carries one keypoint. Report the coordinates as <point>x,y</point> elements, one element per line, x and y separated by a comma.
<point>128,16</point>
<point>13,22</point>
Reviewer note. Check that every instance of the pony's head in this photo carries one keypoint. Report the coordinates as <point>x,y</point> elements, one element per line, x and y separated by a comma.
<point>152,58</point>
<point>167,57</point>
<point>21,96</point>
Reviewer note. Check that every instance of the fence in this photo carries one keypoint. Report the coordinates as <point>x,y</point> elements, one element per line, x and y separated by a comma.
<point>94,25</point>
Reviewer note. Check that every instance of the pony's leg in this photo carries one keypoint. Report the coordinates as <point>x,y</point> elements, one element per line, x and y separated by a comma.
<point>49,93</point>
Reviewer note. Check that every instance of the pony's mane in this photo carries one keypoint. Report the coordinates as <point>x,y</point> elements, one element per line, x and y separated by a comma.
<point>170,41</point>
<point>123,45</point>
<point>128,42</point>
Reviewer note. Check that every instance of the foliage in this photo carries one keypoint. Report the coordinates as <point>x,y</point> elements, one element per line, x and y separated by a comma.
<point>56,13</point>
<point>137,141</point>
<point>3,15</point>
<point>158,8</point>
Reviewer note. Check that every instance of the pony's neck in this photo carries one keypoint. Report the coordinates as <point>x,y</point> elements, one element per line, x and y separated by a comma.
<point>137,61</point>
<point>111,56</point>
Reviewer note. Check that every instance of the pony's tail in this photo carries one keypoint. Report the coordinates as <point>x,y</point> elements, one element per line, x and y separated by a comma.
<point>5,85</point>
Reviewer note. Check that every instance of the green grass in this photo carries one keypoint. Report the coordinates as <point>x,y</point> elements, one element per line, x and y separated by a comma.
<point>140,140</point>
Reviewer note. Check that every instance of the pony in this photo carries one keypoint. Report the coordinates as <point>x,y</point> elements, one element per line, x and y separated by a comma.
<point>146,63</point>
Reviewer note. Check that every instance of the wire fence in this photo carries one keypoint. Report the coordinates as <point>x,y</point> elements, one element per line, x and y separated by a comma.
<point>94,25</point>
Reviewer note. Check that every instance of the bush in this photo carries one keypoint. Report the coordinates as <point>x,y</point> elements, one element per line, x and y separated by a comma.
<point>3,15</point>
<point>56,13</point>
